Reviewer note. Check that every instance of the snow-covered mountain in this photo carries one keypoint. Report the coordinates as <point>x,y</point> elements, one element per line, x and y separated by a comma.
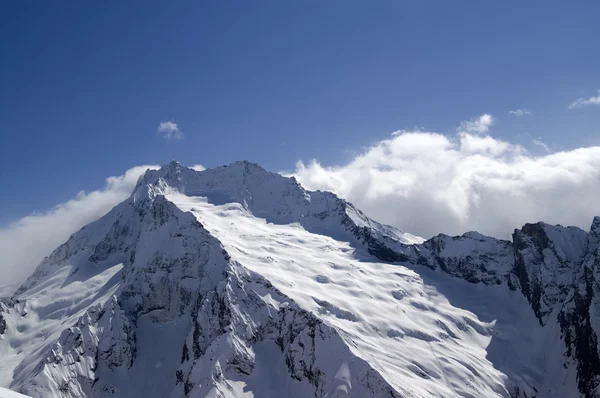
<point>237,282</point>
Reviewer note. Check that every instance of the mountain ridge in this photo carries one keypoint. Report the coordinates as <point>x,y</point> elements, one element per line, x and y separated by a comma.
<point>553,268</point>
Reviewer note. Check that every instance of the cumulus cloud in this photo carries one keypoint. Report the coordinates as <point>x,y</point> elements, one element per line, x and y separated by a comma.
<point>486,145</point>
<point>198,167</point>
<point>428,183</point>
<point>26,242</point>
<point>538,141</point>
<point>581,102</point>
<point>169,130</point>
<point>477,125</point>
<point>519,112</point>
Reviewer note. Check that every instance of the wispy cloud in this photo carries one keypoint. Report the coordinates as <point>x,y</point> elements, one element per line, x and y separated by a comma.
<point>477,125</point>
<point>26,242</point>
<point>541,144</point>
<point>519,112</point>
<point>581,102</point>
<point>169,130</point>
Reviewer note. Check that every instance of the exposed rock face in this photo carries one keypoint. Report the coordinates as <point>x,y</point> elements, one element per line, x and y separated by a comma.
<point>2,324</point>
<point>103,337</point>
<point>546,261</point>
<point>233,320</point>
<point>472,256</point>
<point>579,317</point>
<point>169,311</point>
<point>556,269</point>
<point>6,304</point>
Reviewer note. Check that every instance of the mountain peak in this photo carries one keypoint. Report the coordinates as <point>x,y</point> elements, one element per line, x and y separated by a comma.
<point>595,227</point>
<point>174,173</point>
<point>243,182</point>
<point>247,164</point>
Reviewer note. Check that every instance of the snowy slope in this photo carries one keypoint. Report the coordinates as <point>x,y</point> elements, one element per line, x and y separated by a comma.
<point>237,282</point>
<point>224,331</point>
<point>6,393</point>
<point>388,314</point>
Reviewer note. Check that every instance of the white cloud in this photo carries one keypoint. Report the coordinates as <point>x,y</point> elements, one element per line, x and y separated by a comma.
<point>486,145</point>
<point>519,112</point>
<point>478,125</point>
<point>428,183</point>
<point>541,144</point>
<point>581,102</point>
<point>26,242</point>
<point>198,167</point>
<point>169,130</point>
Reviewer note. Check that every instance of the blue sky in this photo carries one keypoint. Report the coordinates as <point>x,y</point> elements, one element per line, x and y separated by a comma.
<point>84,86</point>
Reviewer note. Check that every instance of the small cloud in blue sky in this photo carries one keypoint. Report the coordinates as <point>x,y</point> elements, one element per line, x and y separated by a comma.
<point>581,102</point>
<point>477,125</point>
<point>169,130</point>
<point>519,112</point>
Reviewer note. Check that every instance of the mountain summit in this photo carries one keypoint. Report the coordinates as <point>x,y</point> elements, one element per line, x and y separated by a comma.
<point>238,282</point>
